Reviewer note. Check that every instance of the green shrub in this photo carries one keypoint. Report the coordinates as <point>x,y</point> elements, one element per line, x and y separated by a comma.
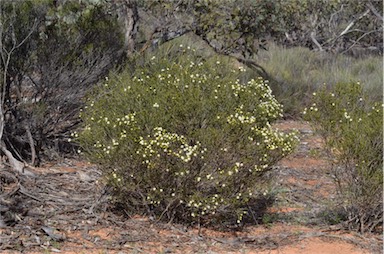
<point>352,128</point>
<point>298,72</point>
<point>185,139</point>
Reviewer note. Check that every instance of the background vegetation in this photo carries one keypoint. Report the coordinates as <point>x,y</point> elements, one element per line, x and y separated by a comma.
<point>352,128</point>
<point>298,72</point>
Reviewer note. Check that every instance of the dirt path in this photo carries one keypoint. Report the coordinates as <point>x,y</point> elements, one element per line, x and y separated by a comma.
<point>65,209</point>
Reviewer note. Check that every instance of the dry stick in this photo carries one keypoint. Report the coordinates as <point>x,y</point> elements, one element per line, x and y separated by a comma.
<point>165,210</point>
<point>374,11</point>
<point>347,239</point>
<point>253,215</point>
<point>346,30</point>
<point>315,41</point>
<point>9,194</point>
<point>360,38</point>
<point>376,223</point>
<point>22,190</point>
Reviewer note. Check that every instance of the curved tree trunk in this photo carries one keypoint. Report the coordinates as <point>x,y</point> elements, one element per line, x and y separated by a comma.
<point>13,162</point>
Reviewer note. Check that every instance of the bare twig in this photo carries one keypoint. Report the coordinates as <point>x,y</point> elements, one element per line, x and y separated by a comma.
<point>345,31</point>
<point>358,39</point>
<point>315,41</point>
<point>374,11</point>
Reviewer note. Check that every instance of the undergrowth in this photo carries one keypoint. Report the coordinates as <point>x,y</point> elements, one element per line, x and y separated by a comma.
<point>298,72</point>
<point>352,128</point>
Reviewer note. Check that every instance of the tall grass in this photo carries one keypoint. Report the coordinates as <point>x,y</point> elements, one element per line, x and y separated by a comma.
<point>298,72</point>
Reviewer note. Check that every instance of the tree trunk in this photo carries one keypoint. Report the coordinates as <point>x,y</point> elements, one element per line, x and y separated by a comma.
<point>14,163</point>
<point>128,15</point>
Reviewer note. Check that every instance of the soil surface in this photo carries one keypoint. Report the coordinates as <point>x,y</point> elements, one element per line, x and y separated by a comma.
<point>64,208</point>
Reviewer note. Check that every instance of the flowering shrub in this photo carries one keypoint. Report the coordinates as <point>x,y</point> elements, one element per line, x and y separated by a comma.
<point>187,139</point>
<point>352,129</point>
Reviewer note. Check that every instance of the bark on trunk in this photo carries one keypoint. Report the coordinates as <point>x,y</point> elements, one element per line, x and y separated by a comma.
<point>128,15</point>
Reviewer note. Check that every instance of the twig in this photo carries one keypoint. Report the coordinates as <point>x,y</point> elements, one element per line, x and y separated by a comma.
<point>23,191</point>
<point>358,39</point>
<point>352,23</point>
<point>374,11</point>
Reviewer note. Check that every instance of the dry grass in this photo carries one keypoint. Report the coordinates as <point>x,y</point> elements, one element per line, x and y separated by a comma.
<point>298,72</point>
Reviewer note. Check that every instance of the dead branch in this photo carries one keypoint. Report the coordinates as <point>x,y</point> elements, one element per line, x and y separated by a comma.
<point>315,41</point>
<point>374,11</point>
<point>346,30</point>
<point>358,39</point>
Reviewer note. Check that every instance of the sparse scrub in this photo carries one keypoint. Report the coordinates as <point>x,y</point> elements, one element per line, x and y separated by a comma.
<point>298,72</point>
<point>352,128</point>
<point>185,139</point>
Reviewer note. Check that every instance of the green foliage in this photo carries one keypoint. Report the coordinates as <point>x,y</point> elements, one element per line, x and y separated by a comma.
<point>17,21</point>
<point>327,19</point>
<point>298,72</point>
<point>352,128</point>
<point>237,26</point>
<point>83,29</point>
<point>242,27</point>
<point>186,138</point>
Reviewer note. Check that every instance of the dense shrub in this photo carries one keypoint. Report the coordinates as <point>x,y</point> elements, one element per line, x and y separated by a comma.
<point>298,72</point>
<point>352,128</point>
<point>57,50</point>
<point>185,139</point>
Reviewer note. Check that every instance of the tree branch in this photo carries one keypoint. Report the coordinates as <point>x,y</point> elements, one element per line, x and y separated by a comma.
<point>165,37</point>
<point>315,41</point>
<point>248,62</point>
<point>374,11</point>
<point>352,23</point>
<point>358,39</point>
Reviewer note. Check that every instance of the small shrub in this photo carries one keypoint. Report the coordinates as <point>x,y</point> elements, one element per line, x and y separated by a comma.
<point>298,72</point>
<point>352,128</point>
<point>185,139</point>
